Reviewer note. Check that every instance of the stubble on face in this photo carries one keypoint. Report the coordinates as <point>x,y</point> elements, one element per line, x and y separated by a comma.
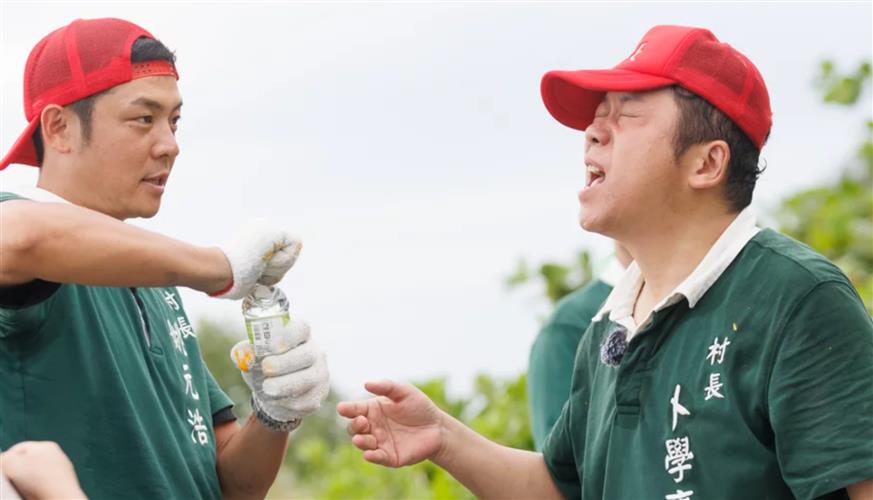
<point>633,135</point>
<point>123,166</point>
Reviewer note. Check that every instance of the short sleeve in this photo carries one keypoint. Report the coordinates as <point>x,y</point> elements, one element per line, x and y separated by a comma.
<point>559,457</point>
<point>23,307</point>
<point>821,393</point>
<point>27,316</point>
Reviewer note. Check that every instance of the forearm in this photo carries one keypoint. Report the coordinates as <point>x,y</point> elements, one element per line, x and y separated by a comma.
<point>249,460</point>
<point>490,470</point>
<point>861,491</point>
<point>70,244</point>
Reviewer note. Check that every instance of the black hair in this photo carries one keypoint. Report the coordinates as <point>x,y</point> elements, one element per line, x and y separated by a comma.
<point>699,121</point>
<point>143,49</point>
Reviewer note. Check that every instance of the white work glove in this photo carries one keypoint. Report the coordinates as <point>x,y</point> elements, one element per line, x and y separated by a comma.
<point>259,254</point>
<point>288,385</point>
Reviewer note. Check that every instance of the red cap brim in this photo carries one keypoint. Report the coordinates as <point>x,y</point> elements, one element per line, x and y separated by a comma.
<point>573,96</point>
<point>23,151</point>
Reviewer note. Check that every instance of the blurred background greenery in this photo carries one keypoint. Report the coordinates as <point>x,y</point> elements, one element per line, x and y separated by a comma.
<point>835,219</point>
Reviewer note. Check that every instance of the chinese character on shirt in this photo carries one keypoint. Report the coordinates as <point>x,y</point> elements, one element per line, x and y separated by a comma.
<point>176,336</point>
<point>714,387</point>
<point>170,299</point>
<point>184,328</point>
<point>678,452</point>
<point>679,495</point>
<point>189,385</point>
<point>198,430</point>
<point>717,350</point>
<point>678,409</point>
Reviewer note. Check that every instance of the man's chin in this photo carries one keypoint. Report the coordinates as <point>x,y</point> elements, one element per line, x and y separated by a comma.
<point>146,211</point>
<point>592,224</point>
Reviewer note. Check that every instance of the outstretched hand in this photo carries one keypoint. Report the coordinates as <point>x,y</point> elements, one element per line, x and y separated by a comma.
<point>400,426</point>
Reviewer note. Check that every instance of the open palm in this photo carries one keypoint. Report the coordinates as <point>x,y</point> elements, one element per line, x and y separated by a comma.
<point>400,426</point>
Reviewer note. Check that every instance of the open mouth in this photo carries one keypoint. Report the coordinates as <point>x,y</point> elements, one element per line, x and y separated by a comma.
<point>595,175</point>
<point>158,180</point>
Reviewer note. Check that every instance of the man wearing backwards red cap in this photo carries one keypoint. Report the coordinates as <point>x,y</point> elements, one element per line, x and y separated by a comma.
<point>728,362</point>
<point>96,351</point>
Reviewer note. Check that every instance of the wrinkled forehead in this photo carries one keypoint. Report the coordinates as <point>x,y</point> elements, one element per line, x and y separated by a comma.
<point>613,98</point>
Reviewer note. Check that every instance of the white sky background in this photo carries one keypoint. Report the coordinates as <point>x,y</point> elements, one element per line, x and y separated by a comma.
<point>409,146</point>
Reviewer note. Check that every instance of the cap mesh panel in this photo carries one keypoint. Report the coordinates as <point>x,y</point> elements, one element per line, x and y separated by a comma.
<point>51,68</point>
<point>98,47</point>
<point>705,57</point>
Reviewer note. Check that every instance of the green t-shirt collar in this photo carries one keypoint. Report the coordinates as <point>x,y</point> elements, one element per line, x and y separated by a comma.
<point>38,194</point>
<point>620,303</point>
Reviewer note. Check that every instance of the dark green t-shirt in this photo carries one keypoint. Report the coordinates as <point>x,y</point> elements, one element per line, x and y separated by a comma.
<point>115,376</point>
<point>550,367</point>
<point>763,390</point>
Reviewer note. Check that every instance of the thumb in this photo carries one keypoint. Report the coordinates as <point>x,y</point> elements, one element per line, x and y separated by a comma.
<point>388,388</point>
<point>242,355</point>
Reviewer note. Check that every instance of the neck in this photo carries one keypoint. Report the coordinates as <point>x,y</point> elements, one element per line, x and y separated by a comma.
<point>669,254</point>
<point>51,179</point>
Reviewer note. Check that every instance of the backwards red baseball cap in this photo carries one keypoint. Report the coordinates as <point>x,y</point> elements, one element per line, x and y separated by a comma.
<point>692,58</point>
<point>79,60</point>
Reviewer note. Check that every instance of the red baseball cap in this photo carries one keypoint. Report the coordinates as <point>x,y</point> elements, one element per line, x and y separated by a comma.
<point>81,59</point>
<point>692,58</point>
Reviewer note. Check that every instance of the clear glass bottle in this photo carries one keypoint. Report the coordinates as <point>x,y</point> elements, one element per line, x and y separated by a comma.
<point>265,311</point>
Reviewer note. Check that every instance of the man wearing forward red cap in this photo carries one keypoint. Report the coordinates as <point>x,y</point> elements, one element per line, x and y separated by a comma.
<point>96,351</point>
<point>728,362</point>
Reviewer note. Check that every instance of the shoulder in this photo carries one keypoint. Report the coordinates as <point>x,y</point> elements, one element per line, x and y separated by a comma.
<point>582,304</point>
<point>6,196</point>
<point>805,294</point>
<point>782,261</point>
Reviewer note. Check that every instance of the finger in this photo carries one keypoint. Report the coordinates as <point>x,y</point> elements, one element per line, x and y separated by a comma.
<point>305,403</point>
<point>242,355</point>
<point>292,385</point>
<point>19,448</point>
<point>279,259</point>
<point>364,442</point>
<point>351,409</point>
<point>388,388</point>
<point>358,425</point>
<point>294,360</point>
<point>376,456</point>
<point>292,335</point>
<point>297,383</point>
<point>285,252</point>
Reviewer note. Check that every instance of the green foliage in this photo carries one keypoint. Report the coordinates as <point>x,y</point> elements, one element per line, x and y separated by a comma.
<point>837,219</point>
<point>334,469</point>
<point>321,461</point>
<point>842,88</point>
<point>558,279</point>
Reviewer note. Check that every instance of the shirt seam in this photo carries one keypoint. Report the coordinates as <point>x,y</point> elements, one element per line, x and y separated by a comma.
<point>815,276</point>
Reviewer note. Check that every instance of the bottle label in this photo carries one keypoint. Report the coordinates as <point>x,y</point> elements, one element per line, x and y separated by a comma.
<point>265,334</point>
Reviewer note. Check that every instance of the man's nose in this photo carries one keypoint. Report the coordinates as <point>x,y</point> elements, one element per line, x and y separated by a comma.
<point>596,134</point>
<point>166,145</point>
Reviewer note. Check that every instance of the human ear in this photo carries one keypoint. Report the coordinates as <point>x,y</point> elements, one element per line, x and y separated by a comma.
<point>58,128</point>
<point>709,164</point>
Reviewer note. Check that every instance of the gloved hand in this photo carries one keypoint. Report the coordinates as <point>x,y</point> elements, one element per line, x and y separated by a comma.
<point>288,385</point>
<point>260,254</point>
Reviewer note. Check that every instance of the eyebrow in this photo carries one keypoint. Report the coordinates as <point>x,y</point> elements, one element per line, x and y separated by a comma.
<point>627,96</point>
<point>152,104</point>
